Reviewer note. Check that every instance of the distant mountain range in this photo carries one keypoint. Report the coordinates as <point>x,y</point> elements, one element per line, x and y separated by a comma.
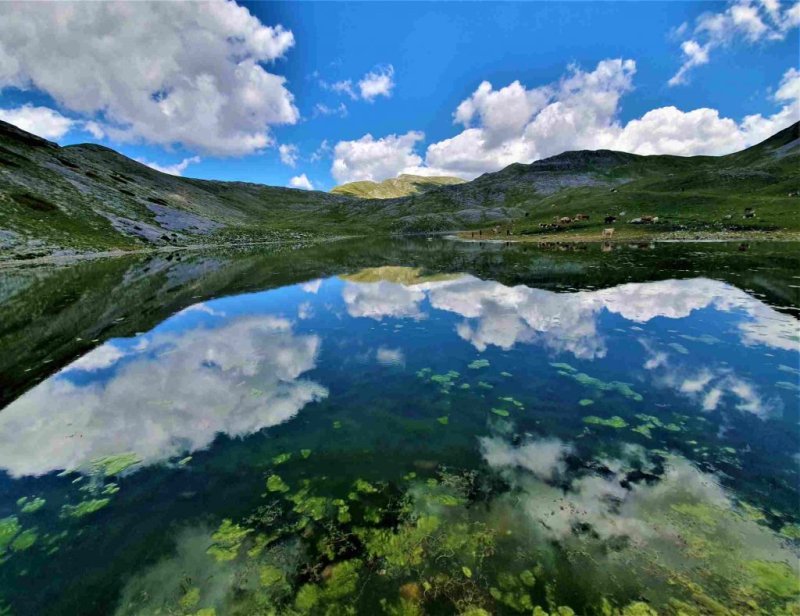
<point>88,197</point>
<point>401,186</point>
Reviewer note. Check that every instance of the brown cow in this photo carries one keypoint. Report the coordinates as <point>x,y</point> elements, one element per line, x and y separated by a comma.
<point>608,232</point>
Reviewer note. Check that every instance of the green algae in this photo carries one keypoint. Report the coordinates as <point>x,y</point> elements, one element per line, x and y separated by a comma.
<point>9,528</point>
<point>84,508</point>
<point>679,348</point>
<point>563,367</point>
<point>276,484</point>
<point>584,379</point>
<point>500,412</point>
<point>586,402</point>
<point>613,422</point>
<point>478,364</point>
<point>341,582</point>
<point>444,420</point>
<point>365,487</point>
<point>791,530</point>
<point>776,578</point>
<point>25,540</point>
<point>114,464</point>
<point>512,400</point>
<point>485,385</point>
<point>190,599</point>
<point>185,461</point>
<point>227,540</point>
<point>337,424</point>
<point>281,459</point>
<point>31,506</point>
<point>305,453</point>
<point>506,374</point>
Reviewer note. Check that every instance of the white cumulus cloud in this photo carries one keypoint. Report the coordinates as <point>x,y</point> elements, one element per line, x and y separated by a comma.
<point>301,181</point>
<point>742,20</point>
<point>289,154</point>
<point>165,73</point>
<point>581,111</point>
<point>42,121</point>
<point>176,169</point>
<point>368,158</point>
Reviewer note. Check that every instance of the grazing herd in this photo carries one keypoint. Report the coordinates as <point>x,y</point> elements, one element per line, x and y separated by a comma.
<point>561,222</point>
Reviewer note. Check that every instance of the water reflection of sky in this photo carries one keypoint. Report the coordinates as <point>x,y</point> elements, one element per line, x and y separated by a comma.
<point>237,365</point>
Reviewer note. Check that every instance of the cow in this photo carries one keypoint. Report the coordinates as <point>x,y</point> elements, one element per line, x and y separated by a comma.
<point>610,220</point>
<point>608,232</point>
<point>565,220</point>
<point>582,217</point>
<point>749,213</point>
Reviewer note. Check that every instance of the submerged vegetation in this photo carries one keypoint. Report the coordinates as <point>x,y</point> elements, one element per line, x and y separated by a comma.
<point>585,467</point>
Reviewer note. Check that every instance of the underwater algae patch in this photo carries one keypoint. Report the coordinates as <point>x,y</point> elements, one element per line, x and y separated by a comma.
<point>518,537</point>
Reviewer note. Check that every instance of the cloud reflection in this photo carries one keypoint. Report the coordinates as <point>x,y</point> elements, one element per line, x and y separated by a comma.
<point>172,396</point>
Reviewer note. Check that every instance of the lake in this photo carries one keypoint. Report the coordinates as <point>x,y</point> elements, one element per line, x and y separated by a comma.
<point>404,427</point>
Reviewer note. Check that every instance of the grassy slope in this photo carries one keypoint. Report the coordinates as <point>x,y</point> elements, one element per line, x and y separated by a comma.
<point>88,197</point>
<point>401,186</point>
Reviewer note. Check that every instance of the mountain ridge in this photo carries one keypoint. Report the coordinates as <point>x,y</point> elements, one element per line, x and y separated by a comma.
<point>87,197</point>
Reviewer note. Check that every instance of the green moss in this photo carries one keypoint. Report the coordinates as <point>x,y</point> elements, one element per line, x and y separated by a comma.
<point>84,508</point>
<point>478,364</point>
<point>227,540</point>
<point>276,484</point>
<point>614,422</point>
<point>775,578</point>
<point>32,506</point>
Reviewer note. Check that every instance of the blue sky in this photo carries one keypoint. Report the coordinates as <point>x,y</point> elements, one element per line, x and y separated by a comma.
<point>588,74</point>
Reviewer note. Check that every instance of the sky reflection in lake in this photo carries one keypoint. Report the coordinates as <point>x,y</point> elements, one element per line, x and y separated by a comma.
<point>600,409</point>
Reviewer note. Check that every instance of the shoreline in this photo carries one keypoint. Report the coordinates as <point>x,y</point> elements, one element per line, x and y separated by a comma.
<point>633,236</point>
<point>67,259</point>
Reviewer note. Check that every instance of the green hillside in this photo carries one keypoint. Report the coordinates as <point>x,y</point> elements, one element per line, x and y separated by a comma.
<point>84,198</point>
<point>401,186</point>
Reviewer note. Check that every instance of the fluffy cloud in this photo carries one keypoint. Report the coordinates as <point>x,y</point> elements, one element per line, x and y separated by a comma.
<point>301,181</point>
<point>502,316</point>
<point>41,121</point>
<point>176,169</point>
<point>321,109</point>
<point>289,154</point>
<point>375,159</point>
<point>173,396</point>
<point>379,82</point>
<point>515,124</point>
<point>744,20</point>
<point>375,83</point>
<point>544,458</point>
<point>163,72</point>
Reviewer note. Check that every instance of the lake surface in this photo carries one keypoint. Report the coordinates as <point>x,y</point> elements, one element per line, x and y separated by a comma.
<point>403,427</point>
